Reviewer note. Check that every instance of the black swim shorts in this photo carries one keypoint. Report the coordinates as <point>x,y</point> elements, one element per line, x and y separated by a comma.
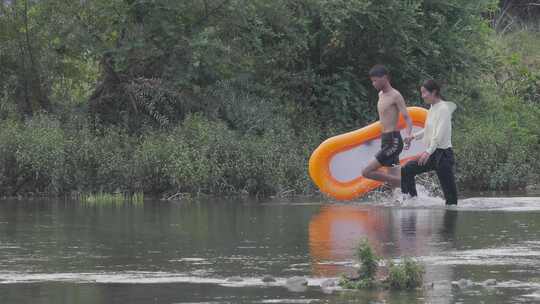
<point>391,147</point>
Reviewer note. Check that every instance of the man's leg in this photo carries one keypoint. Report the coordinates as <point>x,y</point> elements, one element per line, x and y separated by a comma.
<point>445,173</point>
<point>391,146</point>
<point>372,171</point>
<point>408,173</point>
<point>395,172</point>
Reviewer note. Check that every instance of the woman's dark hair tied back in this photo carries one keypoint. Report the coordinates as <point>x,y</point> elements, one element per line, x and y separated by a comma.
<point>431,85</point>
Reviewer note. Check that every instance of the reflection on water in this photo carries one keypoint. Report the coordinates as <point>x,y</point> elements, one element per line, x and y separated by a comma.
<point>336,229</point>
<point>219,251</point>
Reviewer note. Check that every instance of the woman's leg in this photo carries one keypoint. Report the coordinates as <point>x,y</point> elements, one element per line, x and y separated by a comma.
<point>408,173</point>
<point>445,173</point>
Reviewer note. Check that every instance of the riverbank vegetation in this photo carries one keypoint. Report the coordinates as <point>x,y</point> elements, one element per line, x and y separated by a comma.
<point>231,96</point>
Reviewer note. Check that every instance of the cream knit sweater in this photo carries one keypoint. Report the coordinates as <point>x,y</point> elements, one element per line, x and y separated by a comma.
<point>437,133</point>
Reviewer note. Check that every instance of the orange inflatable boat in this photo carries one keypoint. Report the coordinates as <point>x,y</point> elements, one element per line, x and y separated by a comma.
<point>336,165</point>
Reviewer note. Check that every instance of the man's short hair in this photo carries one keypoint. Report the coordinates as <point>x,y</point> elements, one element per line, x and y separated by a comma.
<point>378,70</point>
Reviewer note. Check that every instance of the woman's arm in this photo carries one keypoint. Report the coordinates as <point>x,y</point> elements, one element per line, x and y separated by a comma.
<point>419,134</point>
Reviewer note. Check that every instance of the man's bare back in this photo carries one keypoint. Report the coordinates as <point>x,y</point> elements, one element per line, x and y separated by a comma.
<point>387,106</point>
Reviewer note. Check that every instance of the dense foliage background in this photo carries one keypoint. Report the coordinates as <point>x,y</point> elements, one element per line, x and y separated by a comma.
<point>231,96</point>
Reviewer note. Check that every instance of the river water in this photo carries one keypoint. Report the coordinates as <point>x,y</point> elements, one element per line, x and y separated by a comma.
<point>218,251</point>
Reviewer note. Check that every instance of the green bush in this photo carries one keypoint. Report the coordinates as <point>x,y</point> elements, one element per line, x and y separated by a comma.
<point>206,156</point>
<point>32,155</point>
<point>407,275</point>
<point>152,163</point>
<point>211,158</point>
<point>498,124</point>
<point>496,155</point>
<point>368,260</point>
<point>40,152</point>
<point>193,165</point>
<point>368,268</point>
<point>9,170</point>
<point>100,163</point>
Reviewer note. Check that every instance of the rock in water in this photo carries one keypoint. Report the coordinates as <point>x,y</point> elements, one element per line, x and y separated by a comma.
<point>268,279</point>
<point>329,286</point>
<point>235,279</point>
<point>462,284</point>
<point>299,281</point>
<point>296,284</point>
<point>329,283</point>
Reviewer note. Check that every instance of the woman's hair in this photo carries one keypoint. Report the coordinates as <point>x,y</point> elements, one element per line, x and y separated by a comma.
<point>432,86</point>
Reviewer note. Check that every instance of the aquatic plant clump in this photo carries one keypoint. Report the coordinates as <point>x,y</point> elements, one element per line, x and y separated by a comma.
<point>368,259</point>
<point>407,275</point>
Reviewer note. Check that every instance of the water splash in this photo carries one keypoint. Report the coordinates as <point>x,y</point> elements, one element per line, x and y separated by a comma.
<point>500,204</point>
<point>394,198</point>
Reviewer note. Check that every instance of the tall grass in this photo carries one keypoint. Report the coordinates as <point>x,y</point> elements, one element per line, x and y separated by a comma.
<point>199,156</point>
<point>117,198</point>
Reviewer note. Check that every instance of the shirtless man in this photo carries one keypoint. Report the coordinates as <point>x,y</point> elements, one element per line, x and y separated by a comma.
<point>390,104</point>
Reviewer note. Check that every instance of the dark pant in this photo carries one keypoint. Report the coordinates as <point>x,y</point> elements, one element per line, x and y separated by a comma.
<point>442,161</point>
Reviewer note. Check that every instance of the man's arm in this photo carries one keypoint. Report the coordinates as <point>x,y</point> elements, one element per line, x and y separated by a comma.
<point>400,103</point>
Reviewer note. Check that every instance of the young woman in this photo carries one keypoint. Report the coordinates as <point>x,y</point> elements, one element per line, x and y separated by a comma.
<point>438,155</point>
